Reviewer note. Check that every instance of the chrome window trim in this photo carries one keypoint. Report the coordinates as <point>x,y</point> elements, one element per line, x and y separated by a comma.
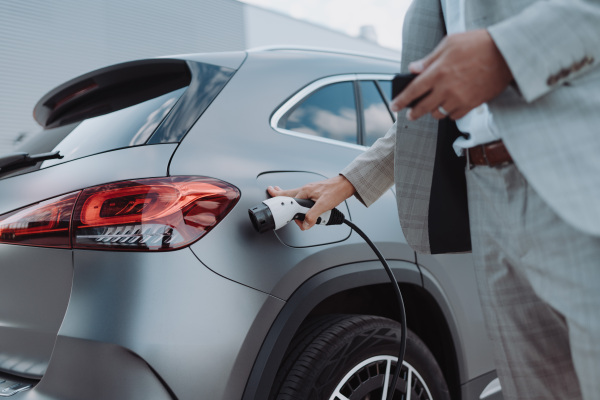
<point>313,87</point>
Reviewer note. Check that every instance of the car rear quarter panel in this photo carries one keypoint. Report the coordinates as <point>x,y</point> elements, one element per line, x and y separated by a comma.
<point>199,332</point>
<point>35,288</point>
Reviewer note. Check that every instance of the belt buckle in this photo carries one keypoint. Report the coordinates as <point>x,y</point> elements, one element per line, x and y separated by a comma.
<point>487,162</point>
<point>469,165</point>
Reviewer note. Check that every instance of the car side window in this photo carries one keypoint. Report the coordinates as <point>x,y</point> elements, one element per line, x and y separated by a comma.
<point>377,118</point>
<point>330,112</point>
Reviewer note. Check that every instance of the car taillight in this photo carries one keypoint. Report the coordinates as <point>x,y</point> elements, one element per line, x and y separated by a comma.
<point>146,214</point>
<point>150,214</point>
<point>43,224</point>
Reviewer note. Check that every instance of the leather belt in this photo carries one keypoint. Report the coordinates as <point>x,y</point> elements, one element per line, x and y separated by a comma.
<point>491,154</point>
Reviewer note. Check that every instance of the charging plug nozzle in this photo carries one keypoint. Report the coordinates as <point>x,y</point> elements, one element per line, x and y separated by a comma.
<point>262,218</point>
<point>276,212</point>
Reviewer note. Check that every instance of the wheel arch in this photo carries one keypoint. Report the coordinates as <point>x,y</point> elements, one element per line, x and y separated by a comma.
<point>337,290</point>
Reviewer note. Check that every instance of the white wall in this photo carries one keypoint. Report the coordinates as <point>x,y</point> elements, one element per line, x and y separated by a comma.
<point>264,28</point>
<point>44,43</point>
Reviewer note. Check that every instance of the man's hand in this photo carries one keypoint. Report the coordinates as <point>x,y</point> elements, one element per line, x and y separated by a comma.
<point>326,194</point>
<point>464,71</point>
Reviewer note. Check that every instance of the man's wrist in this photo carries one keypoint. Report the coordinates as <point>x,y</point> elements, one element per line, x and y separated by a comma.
<point>504,69</point>
<point>346,187</point>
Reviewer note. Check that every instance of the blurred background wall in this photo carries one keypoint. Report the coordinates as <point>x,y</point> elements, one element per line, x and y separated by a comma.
<point>46,42</point>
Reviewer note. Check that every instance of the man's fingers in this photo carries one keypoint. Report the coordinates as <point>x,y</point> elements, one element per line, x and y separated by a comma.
<point>327,194</point>
<point>298,193</point>
<point>277,191</point>
<point>442,111</point>
<point>420,86</point>
<point>461,112</point>
<point>313,214</point>
<point>466,69</point>
<point>425,106</point>
<point>413,91</point>
<point>418,66</point>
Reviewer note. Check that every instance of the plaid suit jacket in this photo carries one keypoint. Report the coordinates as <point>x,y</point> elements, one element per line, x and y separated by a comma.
<point>549,120</point>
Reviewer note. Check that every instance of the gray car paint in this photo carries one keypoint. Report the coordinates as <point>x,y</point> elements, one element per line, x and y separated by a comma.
<point>34,299</point>
<point>116,298</point>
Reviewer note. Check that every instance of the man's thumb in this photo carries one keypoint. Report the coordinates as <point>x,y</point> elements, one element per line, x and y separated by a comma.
<point>309,219</point>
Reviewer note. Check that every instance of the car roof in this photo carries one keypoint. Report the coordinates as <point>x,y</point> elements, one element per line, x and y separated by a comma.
<point>316,50</point>
<point>233,59</point>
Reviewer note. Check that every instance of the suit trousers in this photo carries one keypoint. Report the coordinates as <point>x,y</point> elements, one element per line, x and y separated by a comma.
<point>539,282</point>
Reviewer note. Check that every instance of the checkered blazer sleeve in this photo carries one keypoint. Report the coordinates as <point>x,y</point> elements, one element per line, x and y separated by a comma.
<point>548,42</point>
<point>372,172</point>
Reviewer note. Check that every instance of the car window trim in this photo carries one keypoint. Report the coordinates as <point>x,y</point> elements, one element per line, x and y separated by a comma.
<point>359,89</point>
<point>360,113</point>
<point>385,100</point>
<point>313,87</point>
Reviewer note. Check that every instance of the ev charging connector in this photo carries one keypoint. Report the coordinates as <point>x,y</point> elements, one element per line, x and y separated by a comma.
<point>277,212</point>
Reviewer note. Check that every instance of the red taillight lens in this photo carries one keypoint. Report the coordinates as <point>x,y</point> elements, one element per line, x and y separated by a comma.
<point>43,224</point>
<point>150,214</point>
<point>147,214</point>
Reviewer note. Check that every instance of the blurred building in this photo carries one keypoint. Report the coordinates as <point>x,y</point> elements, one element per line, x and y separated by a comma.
<point>46,42</point>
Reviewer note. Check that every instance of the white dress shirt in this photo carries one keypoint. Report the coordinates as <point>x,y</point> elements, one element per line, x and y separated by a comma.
<point>478,124</point>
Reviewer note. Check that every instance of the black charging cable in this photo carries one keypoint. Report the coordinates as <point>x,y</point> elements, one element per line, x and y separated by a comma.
<point>387,268</point>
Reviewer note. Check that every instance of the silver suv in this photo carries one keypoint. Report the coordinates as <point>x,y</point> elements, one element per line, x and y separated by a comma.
<point>130,269</point>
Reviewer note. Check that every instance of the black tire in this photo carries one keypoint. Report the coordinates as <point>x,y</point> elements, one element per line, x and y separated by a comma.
<point>350,355</point>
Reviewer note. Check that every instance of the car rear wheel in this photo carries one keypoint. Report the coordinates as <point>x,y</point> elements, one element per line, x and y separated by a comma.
<point>353,357</point>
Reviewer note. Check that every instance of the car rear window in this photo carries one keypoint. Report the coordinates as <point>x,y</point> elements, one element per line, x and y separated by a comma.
<point>131,126</point>
<point>131,104</point>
